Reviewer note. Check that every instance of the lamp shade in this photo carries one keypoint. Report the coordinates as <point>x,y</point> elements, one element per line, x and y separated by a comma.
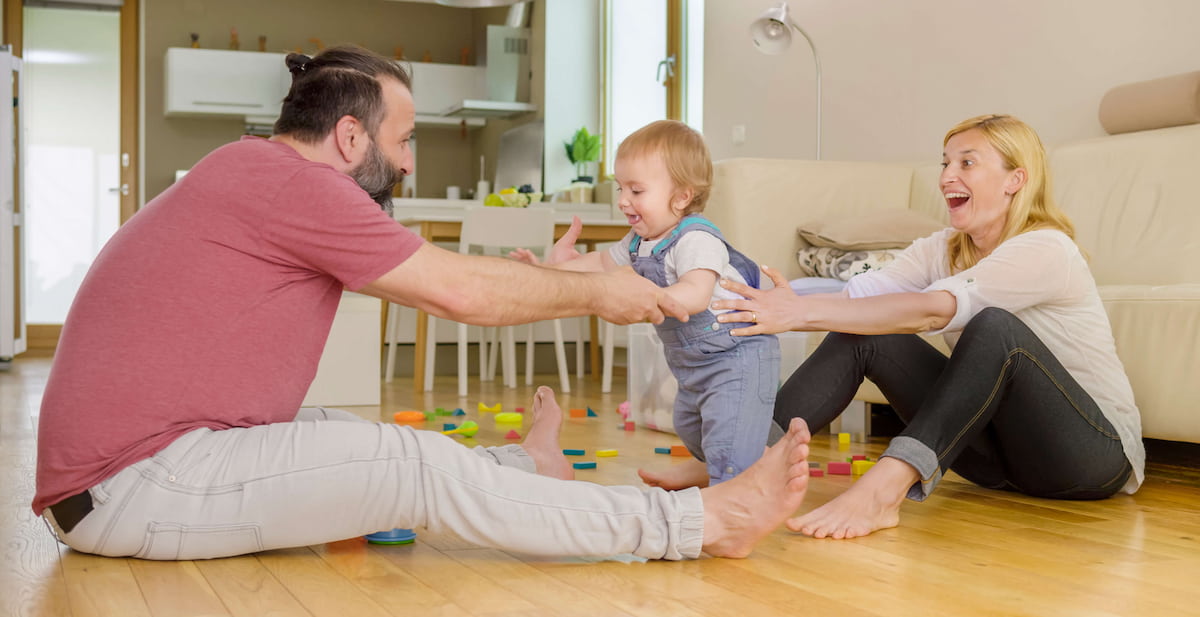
<point>771,32</point>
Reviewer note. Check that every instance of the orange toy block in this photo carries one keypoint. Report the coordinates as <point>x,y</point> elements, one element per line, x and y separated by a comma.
<point>680,451</point>
<point>578,413</point>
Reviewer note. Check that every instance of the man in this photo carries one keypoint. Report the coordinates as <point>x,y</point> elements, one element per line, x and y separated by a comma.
<point>169,427</point>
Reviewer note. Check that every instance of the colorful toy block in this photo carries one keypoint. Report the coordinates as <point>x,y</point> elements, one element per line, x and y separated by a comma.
<point>409,416</point>
<point>662,450</point>
<point>843,439</point>
<point>814,465</point>
<point>520,410</point>
<point>468,429</point>
<point>495,408</point>
<point>578,413</point>
<point>584,465</point>
<point>858,468</point>
<point>569,452</point>
<point>459,412</point>
<point>591,414</point>
<point>680,451</point>
<point>858,457</point>
<point>512,435</point>
<point>837,468</point>
<point>816,473</point>
<point>449,426</point>
<point>631,426</point>
<point>509,417</point>
<point>606,452</point>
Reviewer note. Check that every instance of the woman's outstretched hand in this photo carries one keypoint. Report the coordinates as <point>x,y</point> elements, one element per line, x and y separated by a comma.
<point>770,310</point>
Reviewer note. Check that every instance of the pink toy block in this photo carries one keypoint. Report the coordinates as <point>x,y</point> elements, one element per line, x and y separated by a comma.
<point>838,468</point>
<point>512,435</point>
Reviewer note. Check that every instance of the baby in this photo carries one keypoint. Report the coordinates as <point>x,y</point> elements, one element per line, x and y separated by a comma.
<point>727,384</point>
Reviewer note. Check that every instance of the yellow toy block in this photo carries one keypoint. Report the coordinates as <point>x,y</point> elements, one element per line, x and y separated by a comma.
<point>509,417</point>
<point>843,439</point>
<point>858,468</point>
<point>495,408</point>
<point>606,452</point>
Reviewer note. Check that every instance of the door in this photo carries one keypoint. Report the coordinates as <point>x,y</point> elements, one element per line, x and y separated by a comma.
<point>12,265</point>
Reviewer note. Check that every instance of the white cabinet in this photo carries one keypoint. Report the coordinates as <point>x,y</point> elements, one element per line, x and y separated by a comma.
<point>215,82</point>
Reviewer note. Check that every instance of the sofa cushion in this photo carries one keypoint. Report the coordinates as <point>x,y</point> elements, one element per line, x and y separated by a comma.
<point>834,263</point>
<point>885,229</point>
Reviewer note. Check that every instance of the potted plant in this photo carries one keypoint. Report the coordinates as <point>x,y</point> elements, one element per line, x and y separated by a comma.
<point>584,148</point>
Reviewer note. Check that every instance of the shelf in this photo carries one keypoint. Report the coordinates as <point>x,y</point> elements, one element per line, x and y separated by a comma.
<point>449,122</point>
<point>475,108</point>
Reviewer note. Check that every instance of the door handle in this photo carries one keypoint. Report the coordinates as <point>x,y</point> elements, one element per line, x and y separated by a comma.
<point>123,189</point>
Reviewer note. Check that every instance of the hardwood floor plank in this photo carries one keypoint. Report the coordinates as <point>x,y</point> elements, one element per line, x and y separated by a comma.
<point>247,589</point>
<point>391,587</point>
<point>102,587</point>
<point>176,589</point>
<point>31,578</point>
<point>454,581</point>
<point>318,588</point>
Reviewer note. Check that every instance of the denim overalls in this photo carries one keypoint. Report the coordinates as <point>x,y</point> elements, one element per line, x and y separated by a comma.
<point>727,383</point>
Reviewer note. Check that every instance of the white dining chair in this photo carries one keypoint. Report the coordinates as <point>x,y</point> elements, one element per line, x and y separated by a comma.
<point>493,231</point>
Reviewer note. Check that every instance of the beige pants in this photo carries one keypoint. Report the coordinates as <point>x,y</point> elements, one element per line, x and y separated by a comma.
<point>315,480</point>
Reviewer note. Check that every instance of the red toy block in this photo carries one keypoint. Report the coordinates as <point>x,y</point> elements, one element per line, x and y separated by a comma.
<point>838,468</point>
<point>630,426</point>
<point>512,435</point>
<point>858,457</point>
<point>816,473</point>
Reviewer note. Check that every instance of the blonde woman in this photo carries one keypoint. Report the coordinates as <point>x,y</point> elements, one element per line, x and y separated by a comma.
<point>1032,397</point>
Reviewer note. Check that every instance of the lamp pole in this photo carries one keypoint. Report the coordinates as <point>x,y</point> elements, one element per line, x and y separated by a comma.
<point>817,64</point>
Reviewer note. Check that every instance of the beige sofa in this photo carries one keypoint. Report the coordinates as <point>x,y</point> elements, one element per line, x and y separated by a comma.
<point>1134,198</point>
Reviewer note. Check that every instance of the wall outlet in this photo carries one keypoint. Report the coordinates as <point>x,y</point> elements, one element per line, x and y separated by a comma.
<point>739,134</point>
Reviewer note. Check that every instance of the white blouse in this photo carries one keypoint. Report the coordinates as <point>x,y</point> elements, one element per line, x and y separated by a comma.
<point>1042,278</point>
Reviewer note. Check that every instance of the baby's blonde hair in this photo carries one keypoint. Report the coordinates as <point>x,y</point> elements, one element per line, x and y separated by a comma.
<point>683,151</point>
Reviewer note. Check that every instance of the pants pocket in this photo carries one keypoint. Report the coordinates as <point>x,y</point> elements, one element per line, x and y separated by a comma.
<point>171,541</point>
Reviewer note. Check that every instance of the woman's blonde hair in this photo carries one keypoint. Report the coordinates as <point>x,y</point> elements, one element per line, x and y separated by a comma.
<point>1032,206</point>
<point>683,151</point>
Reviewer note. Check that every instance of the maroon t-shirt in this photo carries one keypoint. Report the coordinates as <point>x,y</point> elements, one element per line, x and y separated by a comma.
<point>209,308</point>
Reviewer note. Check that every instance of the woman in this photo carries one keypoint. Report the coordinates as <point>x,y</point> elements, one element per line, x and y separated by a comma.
<point>1032,397</point>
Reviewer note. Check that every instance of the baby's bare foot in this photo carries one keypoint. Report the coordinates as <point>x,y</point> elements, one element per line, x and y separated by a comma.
<point>541,442</point>
<point>678,476</point>
<point>871,503</point>
<point>740,512</point>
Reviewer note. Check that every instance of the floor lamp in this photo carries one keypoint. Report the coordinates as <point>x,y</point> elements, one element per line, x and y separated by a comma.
<point>772,35</point>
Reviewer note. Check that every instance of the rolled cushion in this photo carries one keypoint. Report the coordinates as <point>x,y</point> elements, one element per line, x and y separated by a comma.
<point>882,229</point>
<point>1153,104</point>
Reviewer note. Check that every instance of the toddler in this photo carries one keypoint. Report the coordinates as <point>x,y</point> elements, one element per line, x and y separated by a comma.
<point>727,384</point>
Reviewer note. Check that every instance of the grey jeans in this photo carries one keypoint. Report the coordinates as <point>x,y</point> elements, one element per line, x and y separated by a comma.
<point>329,476</point>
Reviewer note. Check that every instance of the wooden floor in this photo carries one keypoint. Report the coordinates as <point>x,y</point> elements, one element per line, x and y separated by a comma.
<point>965,551</point>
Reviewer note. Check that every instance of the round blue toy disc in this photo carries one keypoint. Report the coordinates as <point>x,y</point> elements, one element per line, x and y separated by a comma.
<point>395,536</point>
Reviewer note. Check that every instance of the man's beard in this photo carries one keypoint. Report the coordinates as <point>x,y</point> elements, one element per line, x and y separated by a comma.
<point>377,177</point>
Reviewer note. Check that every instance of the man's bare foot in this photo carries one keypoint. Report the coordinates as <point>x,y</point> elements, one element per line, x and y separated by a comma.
<point>678,476</point>
<point>871,503</point>
<point>740,512</point>
<point>541,442</point>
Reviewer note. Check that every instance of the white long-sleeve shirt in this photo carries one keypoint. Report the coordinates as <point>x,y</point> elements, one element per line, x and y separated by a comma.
<point>1042,278</point>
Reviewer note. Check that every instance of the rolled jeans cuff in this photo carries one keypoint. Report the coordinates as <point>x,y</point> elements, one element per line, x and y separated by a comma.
<point>508,455</point>
<point>922,458</point>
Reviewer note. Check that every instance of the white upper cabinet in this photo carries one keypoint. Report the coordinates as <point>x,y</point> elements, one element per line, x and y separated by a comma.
<point>215,82</point>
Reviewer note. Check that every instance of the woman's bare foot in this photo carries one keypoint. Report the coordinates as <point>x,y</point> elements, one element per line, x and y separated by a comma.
<point>678,476</point>
<point>541,442</point>
<point>871,503</point>
<point>740,512</point>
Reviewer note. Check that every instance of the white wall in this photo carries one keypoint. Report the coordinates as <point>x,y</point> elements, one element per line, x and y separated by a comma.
<point>898,74</point>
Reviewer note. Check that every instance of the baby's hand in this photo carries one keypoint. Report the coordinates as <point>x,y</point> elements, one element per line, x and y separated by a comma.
<point>524,256</point>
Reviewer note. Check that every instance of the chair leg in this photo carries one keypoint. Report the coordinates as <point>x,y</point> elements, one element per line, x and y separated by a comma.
<point>529,355</point>
<point>585,324</point>
<point>493,337</point>
<point>393,318</point>
<point>462,360</point>
<point>430,352</point>
<point>510,358</point>
<point>560,355</point>
<point>609,335</point>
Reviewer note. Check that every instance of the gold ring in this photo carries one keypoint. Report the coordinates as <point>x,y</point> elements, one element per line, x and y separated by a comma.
<point>754,317</point>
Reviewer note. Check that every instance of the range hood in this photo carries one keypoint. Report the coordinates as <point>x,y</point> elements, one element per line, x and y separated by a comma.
<point>474,108</point>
